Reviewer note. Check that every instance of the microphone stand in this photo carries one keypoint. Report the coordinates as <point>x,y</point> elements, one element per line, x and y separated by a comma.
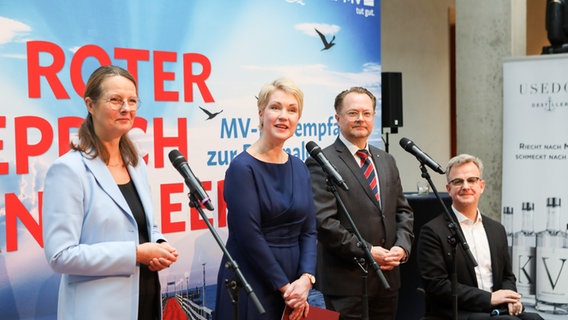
<point>455,237</point>
<point>363,261</point>
<point>234,285</point>
<point>387,143</point>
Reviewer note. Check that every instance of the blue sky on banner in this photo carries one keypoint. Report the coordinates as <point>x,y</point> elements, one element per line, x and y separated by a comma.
<point>242,39</point>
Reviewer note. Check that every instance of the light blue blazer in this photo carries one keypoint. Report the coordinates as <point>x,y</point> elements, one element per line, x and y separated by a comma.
<point>90,237</point>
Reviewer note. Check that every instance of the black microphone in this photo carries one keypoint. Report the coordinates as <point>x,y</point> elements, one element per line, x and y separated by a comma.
<point>191,181</point>
<point>409,146</point>
<point>315,152</point>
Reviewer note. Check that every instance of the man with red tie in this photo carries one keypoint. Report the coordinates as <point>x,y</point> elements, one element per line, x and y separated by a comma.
<point>375,202</point>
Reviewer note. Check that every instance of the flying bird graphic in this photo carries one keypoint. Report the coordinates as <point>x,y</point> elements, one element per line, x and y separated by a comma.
<point>326,45</point>
<point>210,114</point>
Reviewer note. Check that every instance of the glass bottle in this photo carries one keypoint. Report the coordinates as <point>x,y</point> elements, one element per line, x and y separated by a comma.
<point>507,220</point>
<point>552,263</point>
<point>524,255</point>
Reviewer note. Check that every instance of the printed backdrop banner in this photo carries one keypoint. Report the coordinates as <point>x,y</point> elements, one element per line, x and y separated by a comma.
<point>199,65</point>
<point>535,176</point>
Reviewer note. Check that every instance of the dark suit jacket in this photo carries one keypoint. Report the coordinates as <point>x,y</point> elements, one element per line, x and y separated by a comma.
<point>434,262</point>
<point>391,225</point>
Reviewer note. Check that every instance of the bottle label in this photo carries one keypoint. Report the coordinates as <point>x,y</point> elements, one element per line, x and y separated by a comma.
<point>524,267</point>
<point>552,275</point>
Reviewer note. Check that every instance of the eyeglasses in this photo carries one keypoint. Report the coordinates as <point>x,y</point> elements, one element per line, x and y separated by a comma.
<point>459,182</point>
<point>354,115</point>
<point>116,103</point>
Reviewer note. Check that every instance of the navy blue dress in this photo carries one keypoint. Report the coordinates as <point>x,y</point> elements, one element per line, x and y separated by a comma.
<point>272,232</point>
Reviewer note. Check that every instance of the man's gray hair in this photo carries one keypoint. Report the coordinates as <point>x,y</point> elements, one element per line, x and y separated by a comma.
<point>462,159</point>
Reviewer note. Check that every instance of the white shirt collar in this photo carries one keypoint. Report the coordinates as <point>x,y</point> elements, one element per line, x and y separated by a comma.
<point>463,219</point>
<point>350,146</point>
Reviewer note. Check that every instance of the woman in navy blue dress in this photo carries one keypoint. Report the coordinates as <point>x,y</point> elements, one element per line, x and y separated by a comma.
<point>271,215</point>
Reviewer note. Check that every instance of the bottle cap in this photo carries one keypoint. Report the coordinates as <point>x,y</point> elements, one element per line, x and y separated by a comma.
<point>553,202</point>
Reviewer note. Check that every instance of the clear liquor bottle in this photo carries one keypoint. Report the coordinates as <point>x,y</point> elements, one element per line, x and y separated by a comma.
<point>552,263</point>
<point>524,255</point>
<point>507,220</point>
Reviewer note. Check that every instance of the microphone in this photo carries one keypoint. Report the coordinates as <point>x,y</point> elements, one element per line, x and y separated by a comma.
<point>191,181</point>
<point>409,146</point>
<point>315,152</point>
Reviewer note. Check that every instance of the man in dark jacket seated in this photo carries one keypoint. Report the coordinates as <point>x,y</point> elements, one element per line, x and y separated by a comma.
<point>486,291</point>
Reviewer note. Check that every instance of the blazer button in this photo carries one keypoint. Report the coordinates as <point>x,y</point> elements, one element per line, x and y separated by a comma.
<point>382,241</point>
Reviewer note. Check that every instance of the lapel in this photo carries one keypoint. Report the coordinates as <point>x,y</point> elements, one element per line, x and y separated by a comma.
<point>469,268</point>
<point>106,182</point>
<point>346,156</point>
<point>492,239</point>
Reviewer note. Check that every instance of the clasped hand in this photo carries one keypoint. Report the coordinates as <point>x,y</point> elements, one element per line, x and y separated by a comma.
<point>510,297</point>
<point>156,256</point>
<point>388,259</point>
<point>295,296</point>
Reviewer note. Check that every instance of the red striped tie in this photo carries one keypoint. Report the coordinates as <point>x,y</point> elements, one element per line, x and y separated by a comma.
<point>368,171</point>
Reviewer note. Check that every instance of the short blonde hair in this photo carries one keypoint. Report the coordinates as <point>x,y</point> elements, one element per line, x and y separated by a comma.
<point>285,85</point>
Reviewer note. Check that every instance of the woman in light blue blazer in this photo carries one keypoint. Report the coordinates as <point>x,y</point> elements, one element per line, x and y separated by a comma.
<point>98,222</point>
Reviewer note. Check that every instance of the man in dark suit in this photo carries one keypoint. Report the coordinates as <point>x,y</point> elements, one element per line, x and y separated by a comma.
<point>489,287</point>
<point>376,204</point>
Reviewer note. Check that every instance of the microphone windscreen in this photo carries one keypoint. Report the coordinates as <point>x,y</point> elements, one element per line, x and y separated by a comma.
<point>313,148</point>
<point>406,143</point>
<point>176,158</point>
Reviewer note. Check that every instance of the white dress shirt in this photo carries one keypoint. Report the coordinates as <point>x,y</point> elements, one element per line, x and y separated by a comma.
<point>475,235</point>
